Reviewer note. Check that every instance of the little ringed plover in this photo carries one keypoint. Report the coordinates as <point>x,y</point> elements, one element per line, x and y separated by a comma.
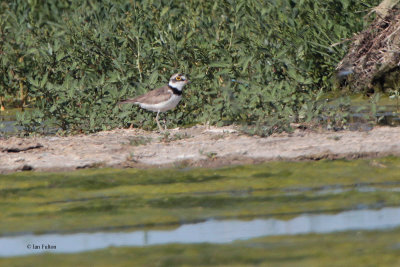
<point>162,99</point>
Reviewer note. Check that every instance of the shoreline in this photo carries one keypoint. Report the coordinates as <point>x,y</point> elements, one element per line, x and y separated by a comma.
<point>199,146</point>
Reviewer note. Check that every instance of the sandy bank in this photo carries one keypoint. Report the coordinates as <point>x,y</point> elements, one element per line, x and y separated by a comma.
<point>197,146</point>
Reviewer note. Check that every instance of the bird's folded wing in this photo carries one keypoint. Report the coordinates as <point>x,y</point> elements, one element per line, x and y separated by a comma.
<point>153,97</point>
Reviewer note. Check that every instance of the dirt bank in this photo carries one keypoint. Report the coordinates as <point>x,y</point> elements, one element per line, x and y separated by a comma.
<point>197,146</point>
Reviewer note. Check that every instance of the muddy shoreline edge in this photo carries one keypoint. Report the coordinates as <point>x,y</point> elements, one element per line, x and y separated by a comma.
<point>199,146</point>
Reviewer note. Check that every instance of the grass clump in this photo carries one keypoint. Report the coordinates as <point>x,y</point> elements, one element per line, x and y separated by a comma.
<point>139,140</point>
<point>167,137</point>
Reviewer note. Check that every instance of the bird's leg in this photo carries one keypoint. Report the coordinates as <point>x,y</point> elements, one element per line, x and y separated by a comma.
<point>158,123</point>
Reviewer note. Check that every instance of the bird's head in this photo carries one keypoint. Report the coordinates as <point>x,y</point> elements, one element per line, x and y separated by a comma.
<point>178,81</point>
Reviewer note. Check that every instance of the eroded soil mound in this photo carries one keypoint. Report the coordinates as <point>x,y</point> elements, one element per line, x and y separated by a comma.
<point>374,55</point>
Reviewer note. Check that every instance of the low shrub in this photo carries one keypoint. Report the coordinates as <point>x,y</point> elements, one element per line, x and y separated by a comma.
<point>258,62</point>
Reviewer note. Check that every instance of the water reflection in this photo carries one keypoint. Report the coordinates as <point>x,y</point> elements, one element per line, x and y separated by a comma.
<point>211,231</point>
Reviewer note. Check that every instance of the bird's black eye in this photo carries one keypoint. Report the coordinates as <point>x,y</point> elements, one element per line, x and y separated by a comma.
<point>178,78</point>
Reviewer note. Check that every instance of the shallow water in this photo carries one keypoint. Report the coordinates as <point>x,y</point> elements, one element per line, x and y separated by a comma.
<point>8,123</point>
<point>211,231</point>
<point>9,127</point>
<point>232,212</point>
<point>362,114</point>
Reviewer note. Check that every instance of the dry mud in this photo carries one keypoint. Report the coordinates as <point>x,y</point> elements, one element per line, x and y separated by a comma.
<point>196,146</point>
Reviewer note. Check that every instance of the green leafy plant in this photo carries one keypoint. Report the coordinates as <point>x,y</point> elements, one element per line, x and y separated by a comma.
<point>256,63</point>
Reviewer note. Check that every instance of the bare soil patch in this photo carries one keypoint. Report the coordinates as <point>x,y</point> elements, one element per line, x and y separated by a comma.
<point>198,146</point>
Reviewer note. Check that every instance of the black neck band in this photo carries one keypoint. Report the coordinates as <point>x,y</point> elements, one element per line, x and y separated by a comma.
<point>176,91</point>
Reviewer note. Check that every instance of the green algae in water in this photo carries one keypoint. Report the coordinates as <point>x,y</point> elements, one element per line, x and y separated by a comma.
<point>87,200</point>
<point>111,198</point>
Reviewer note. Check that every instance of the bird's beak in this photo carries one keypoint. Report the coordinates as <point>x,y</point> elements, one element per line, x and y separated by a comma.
<point>187,82</point>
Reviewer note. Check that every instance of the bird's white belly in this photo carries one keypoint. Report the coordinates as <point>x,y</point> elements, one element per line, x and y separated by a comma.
<point>162,106</point>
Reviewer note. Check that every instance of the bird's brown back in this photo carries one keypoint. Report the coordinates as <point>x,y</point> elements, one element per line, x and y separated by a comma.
<point>152,97</point>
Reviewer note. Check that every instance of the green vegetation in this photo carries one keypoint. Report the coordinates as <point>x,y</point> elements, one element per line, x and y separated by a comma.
<point>357,248</point>
<point>261,62</point>
<point>112,198</point>
<point>167,137</point>
<point>139,140</point>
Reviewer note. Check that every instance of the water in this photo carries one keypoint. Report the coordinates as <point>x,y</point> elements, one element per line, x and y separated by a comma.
<point>361,116</point>
<point>212,231</point>
<point>9,127</point>
<point>8,122</point>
